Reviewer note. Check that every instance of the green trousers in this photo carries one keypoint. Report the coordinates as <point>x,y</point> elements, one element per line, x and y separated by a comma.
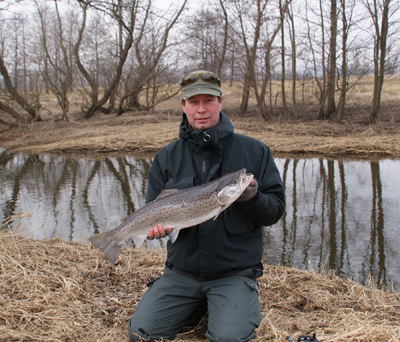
<point>174,301</point>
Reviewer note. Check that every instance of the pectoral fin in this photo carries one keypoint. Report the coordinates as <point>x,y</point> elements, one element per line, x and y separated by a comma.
<point>220,211</point>
<point>138,240</point>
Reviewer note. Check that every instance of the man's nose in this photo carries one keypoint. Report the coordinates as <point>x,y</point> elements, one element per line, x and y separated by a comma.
<point>202,106</point>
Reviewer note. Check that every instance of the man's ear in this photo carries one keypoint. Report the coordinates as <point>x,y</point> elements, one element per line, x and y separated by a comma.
<point>183,102</point>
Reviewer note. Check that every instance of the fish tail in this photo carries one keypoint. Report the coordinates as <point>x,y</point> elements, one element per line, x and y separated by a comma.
<point>110,251</point>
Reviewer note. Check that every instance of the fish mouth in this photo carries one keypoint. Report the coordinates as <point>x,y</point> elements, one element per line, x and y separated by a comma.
<point>246,179</point>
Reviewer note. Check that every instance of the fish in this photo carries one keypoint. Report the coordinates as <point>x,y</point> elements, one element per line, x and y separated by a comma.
<point>178,209</point>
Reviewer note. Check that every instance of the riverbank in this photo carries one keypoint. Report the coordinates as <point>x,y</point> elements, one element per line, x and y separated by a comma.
<point>55,290</point>
<point>146,133</point>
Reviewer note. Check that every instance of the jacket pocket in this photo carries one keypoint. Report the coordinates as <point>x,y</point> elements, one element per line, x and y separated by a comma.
<point>254,310</point>
<point>236,221</point>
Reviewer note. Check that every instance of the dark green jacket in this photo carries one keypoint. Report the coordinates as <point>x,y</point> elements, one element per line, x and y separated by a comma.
<point>234,240</point>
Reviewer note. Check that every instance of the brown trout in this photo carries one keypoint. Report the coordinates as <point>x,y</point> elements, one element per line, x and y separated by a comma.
<point>177,209</point>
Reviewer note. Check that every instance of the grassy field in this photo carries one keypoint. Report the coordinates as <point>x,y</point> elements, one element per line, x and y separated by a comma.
<point>147,132</point>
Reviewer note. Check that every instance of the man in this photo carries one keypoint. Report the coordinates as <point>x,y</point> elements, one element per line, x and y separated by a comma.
<point>216,263</point>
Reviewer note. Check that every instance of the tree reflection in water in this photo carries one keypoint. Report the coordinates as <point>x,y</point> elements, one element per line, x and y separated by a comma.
<point>340,215</point>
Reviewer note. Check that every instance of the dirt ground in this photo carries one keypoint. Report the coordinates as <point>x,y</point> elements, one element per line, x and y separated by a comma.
<point>146,133</point>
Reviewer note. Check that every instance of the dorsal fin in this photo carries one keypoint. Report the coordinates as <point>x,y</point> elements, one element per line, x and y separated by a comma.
<point>166,193</point>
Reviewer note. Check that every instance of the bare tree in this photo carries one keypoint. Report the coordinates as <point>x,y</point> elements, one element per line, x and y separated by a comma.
<point>331,85</point>
<point>125,17</point>
<point>147,67</point>
<point>380,12</point>
<point>91,80</point>
<point>226,35</point>
<point>207,38</point>
<point>344,85</point>
<point>60,77</point>
<point>257,33</point>
<point>135,27</point>
<point>292,35</point>
<point>316,39</point>
<point>347,12</point>
<point>15,95</point>
<point>11,80</point>
<point>283,60</point>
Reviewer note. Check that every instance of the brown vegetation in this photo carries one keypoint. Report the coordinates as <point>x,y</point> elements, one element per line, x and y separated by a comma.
<point>55,290</point>
<point>144,133</point>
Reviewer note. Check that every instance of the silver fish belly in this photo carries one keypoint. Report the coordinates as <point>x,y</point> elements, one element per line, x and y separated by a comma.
<point>178,209</point>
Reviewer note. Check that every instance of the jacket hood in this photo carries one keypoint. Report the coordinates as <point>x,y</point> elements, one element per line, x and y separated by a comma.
<point>209,137</point>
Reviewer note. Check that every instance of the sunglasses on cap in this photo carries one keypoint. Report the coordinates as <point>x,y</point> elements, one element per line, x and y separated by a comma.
<point>208,77</point>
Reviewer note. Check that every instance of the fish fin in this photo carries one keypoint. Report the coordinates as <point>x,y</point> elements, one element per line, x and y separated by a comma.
<point>222,209</point>
<point>138,240</point>
<point>110,251</point>
<point>173,234</point>
<point>166,192</point>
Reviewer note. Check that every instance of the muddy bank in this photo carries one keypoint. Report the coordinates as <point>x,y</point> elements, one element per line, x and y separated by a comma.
<point>144,133</point>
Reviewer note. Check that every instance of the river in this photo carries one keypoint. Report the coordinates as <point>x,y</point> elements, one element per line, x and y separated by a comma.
<point>341,215</point>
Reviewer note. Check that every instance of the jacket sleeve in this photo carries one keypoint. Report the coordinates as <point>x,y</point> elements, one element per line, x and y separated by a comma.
<point>268,205</point>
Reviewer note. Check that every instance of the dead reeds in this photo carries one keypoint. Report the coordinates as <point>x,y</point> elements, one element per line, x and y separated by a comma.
<point>146,133</point>
<point>56,290</point>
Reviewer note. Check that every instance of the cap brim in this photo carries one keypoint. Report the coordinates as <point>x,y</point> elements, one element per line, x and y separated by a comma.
<point>187,93</point>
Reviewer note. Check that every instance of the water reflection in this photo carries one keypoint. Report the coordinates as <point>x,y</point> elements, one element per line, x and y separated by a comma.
<point>71,198</point>
<point>341,215</point>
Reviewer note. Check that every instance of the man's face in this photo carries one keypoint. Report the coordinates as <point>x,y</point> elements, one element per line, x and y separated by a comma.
<point>202,111</point>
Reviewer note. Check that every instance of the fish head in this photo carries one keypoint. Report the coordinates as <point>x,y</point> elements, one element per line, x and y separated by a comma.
<point>232,186</point>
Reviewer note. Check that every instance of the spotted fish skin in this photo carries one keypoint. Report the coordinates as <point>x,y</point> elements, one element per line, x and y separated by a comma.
<point>177,209</point>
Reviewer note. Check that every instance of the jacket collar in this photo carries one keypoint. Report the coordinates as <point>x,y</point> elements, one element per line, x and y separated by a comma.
<point>209,137</point>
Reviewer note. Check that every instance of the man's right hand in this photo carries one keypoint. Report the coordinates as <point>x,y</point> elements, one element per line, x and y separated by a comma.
<point>158,231</point>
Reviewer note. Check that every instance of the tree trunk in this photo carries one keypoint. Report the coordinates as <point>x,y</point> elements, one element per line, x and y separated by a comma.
<point>245,94</point>
<point>283,74</point>
<point>221,60</point>
<point>294,68</point>
<point>15,95</point>
<point>379,60</point>
<point>330,106</point>
<point>344,84</point>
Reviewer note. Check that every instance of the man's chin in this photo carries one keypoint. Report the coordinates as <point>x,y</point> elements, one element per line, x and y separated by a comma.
<point>202,126</point>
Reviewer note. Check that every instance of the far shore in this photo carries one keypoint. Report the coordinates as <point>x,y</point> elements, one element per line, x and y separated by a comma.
<point>146,133</point>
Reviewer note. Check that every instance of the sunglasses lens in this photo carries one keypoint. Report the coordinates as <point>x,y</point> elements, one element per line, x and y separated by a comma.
<point>192,78</point>
<point>189,79</point>
<point>209,78</point>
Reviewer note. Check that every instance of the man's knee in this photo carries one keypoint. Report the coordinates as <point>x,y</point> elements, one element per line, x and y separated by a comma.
<point>133,330</point>
<point>142,330</point>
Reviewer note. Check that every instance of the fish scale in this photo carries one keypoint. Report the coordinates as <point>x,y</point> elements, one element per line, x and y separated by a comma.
<point>178,210</point>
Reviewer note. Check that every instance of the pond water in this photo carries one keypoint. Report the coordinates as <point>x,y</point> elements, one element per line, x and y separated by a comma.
<point>340,215</point>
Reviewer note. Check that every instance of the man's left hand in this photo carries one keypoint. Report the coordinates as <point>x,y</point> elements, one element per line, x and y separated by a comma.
<point>250,191</point>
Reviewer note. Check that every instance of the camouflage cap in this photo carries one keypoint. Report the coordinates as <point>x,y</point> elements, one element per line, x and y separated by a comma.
<point>200,82</point>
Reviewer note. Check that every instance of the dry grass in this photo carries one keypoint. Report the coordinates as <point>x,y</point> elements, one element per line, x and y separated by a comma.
<point>146,133</point>
<point>143,133</point>
<point>56,290</point>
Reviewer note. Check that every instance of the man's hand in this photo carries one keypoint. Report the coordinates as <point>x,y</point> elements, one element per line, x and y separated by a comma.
<point>158,231</point>
<point>250,191</point>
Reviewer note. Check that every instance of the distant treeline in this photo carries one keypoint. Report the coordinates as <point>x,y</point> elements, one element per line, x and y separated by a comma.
<point>121,55</point>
